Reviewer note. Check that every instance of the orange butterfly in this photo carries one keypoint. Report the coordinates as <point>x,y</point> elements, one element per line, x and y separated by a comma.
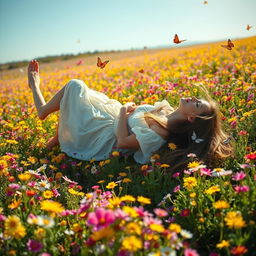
<point>101,64</point>
<point>176,39</point>
<point>248,27</point>
<point>205,2</point>
<point>141,71</point>
<point>229,45</point>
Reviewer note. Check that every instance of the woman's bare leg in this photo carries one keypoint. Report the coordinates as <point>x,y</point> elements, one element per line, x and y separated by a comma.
<point>43,109</point>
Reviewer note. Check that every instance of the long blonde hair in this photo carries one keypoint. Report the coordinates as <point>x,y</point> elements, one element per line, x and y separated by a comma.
<point>211,142</point>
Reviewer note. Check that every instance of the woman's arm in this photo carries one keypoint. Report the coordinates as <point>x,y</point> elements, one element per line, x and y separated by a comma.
<point>124,140</point>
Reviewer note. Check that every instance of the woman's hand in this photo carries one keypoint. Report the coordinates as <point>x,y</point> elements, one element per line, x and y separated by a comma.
<point>130,107</point>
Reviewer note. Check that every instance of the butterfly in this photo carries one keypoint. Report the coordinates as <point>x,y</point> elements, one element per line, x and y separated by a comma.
<point>176,39</point>
<point>101,64</point>
<point>229,45</point>
<point>248,27</point>
<point>197,140</point>
<point>80,62</point>
<point>141,70</point>
<point>205,2</point>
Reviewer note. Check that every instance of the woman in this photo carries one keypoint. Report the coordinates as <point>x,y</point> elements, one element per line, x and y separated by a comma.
<point>91,125</point>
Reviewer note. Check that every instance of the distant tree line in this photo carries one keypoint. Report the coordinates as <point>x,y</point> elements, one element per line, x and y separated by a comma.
<point>47,59</point>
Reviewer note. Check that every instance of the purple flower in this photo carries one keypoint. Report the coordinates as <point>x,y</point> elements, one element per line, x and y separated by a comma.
<point>14,186</point>
<point>34,246</point>
<point>239,189</point>
<point>239,176</point>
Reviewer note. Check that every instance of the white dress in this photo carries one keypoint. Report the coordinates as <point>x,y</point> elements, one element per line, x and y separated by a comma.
<point>88,122</point>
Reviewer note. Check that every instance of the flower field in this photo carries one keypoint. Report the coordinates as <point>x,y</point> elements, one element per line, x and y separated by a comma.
<point>52,204</point>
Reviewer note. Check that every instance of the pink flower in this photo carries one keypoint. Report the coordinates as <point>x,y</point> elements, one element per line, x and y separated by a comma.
<point>205,171</point>
<point>190,252</point>
<point>160,212</point>
<point>239,189</point>
<point>239,176</point>
<point>34,246</point>
<point>185,213</point>
<point>45,254</point>
<point>176,174</point>
<point>242,133</point>
<point>101,218</point>
<point>176,189</point>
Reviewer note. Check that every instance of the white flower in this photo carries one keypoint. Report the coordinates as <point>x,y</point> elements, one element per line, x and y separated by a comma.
<point>94,169</point>
<point>221,173</point>
<point>167,251</point>
<point>186,234</point>
<point>69,232</point>
<point>42,185</point>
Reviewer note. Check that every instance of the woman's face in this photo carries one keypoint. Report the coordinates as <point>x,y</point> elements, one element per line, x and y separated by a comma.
<point>193,107</point>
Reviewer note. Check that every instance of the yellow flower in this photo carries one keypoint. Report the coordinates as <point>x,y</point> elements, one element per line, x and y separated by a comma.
<point>32,160</point>
<point>122,174</point>
<point>133,228</point>
<point>77,228</point>
<point>172,146</point>
<point>130,211</point>
<point>14,204</point>
<point>192,195</point>
<point>127,198</point>
<point>14,227</point>
<point>189,182</point>
<point>221,204</point>
<point>40,233</point>
<point>212,190</point>
<point>155,157</point>
<point>234,220</point>
<point>101,181</point>
<point>115,153</point>
<point>111,185</point>
<point>58,175</point>
<point>131,243</point>
<point>164,165</point>
<point>24,176</point>
<point>52,206</point>
<point>114,202</point>
<point>157,228</point>
<point>143,200</point>
<point>193,164</point>
<point>48,194</point>
<point>144,167</point>
<point>127,180</point>
<point>106,232</point>
<point>223,244</point>
<point>175,227</point>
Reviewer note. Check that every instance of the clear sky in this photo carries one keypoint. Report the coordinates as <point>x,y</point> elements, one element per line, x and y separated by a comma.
<point>36,28</point>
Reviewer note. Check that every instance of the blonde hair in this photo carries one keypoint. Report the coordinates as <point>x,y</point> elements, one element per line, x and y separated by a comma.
<point>213,144</point>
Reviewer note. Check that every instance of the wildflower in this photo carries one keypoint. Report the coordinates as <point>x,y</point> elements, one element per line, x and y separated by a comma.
<point>115,153</point>
<point>157,228</point>
<point>127,180</point>
<point>164,165</point>
<point>52,206</point>
<point>193,164</point>
<point>106,232</point>
<point>143,200</point>
<point>167,251</point>
<point>101,218</point>
<point>24,176</point>
<point>223,244</point>
<point>234,220</point>
<point>48,194</point>
<point>131,243</point>
<point>212,190</point>
<point>34,246</point>
<point>130,211</point>
<point>127,198</point>
<point>176,189</point>
<point>43,185</point>
<point>14,227</point>
<point>111,185</point>
<point>239,250</point>
<point>191,155</point>
<point>77,228</point>
<point>133,228</point>
<point>14,204</point>
<point>189,182</point>
<point>172,146</point>
<point>122,174</point>
<point>221,204</point>
<point>144,167</point>
<point>186,234</point>
<point>251,156</point>
<point>175,227</point>
<point>239,176</point>
<point>190,252</point>
<point>185,213</point>
<point>94,169</point>
<point>160,212</point>
<point>240,189</point>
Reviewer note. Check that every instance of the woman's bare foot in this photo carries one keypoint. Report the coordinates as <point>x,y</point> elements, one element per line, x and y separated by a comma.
<point>52,142</point>
<point>33,74</point>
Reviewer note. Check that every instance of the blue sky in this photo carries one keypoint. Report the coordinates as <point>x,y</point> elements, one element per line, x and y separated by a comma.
<point>36,28</point>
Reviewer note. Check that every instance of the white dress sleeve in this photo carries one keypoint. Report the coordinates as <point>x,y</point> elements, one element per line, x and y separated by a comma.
<point>149,142</point>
